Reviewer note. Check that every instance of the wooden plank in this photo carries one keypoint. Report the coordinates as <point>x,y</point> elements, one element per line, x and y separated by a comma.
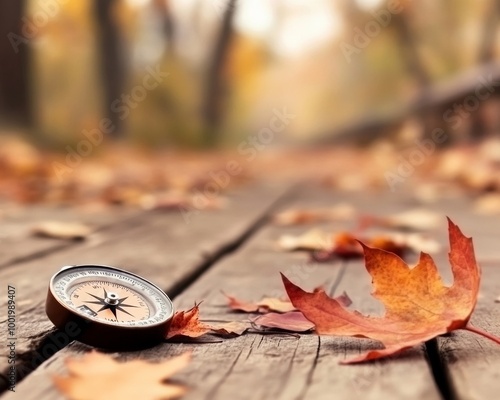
<point>473,362</point>
<point>17,244</point>
<point>274,366</point>
<point>470,363</point>
<point>159,246</point>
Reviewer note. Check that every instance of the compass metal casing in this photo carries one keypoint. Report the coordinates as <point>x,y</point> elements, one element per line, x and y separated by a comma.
<point>88,329</point>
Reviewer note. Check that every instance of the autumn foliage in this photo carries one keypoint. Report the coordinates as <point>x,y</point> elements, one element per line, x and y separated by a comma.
<point>418,305</point>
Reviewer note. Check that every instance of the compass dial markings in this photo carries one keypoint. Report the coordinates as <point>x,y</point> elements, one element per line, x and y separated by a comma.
<point>112,309</point>
<point>111,296</point>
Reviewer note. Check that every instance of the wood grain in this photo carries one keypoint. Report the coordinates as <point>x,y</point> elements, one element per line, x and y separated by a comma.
<point>471,361</point>
<point>17,244</point>
<point>274,366</point>
<point>159,246</point>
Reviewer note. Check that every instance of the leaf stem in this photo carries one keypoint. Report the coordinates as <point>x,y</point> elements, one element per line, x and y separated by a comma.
<point>479,331</point>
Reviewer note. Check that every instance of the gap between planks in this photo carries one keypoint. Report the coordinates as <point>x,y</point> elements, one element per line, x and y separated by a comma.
<point>215,244</point>
<point>275,366</point>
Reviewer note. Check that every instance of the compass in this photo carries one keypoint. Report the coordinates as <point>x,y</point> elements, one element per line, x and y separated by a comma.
<point>108,307</point>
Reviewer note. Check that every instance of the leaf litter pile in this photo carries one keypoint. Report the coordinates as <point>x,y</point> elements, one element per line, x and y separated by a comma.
<point>115,174</point>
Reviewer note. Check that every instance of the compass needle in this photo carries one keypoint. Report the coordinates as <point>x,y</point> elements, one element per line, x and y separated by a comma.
<point>122,310</point>
<point>113,310</point>
<point>95,297</point>
<point>120,303</point>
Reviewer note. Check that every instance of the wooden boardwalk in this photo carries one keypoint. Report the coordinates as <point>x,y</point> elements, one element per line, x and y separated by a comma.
<point>233,250</point>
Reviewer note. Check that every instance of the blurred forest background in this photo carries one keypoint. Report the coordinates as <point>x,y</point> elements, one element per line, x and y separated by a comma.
<point>63,64</point>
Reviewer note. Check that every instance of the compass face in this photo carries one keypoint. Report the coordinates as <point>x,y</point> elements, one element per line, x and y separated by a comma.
<point>111,296</point>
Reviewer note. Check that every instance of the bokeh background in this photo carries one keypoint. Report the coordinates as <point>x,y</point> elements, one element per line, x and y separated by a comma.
<point>198,80</point>
<point>230,62</point>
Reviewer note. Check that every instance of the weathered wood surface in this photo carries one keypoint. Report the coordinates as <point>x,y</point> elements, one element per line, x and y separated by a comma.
<point>159,246</point>
<point>473,362</point>
<point>280,366</point>
<point>17,244</point>
<point>277,366</point>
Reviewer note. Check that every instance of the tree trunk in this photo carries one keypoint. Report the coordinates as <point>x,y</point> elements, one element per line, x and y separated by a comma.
<point>163,9</point>
<point>15,99</point>
<point>112,59</point>
<point>213,107</point>
<point>488,42</point>
<point>408,48</point>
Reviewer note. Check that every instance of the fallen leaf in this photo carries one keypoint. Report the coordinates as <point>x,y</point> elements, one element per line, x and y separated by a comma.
<point>346,246</point>
<point>488,204</point>
<point>415,242</point>
<point>231,328</point>
<point>98,376</point>
<point>293,321</point>
<point>314,239</point>
<point>165,201</point>
<point>343,299</point>
<point>172,201</point>
<point>342,245</point>
<point>339,212</point>
<point>265,305</point>
<point>268,304</point>
<point>419,219</point>
<point>188,324</point>
<point>418,305</point>
<point>61,230</point>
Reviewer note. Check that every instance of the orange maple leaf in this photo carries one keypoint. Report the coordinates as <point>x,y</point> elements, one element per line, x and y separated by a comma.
<point>98,376</point>
<point>418,305</point>
<point>187,323</point>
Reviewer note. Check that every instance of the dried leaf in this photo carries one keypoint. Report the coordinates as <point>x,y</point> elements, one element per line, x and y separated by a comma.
<point>265,305</point>
<point>172,201</point>
<point>346,246</point>
<point>343,299</point>
<point>415,242</point>
<point>231,328</point>
<point>312,240</point>
<point>418,305</point>
<point>488,204</point>
<point>339,212</point>
<point>188,324</point>
<point>419,219</point>
<point>61,230</point>
<point>280,306</point>
<point>98,376</point>
<point>165,201</point>
<point>293,321</point>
